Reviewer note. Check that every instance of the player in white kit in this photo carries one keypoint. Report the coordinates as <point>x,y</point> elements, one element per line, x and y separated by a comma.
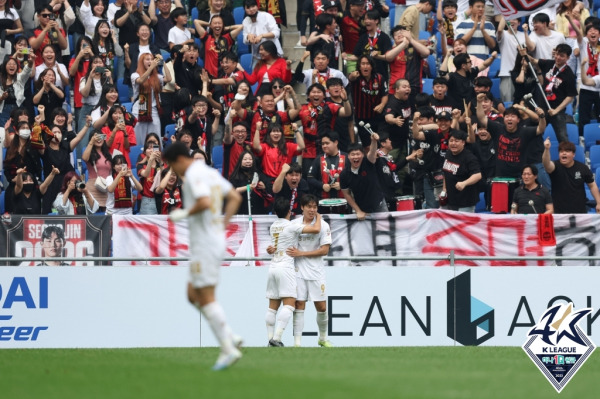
<point>310,272</point>
<point>204,190</point>
<point>281,284</point>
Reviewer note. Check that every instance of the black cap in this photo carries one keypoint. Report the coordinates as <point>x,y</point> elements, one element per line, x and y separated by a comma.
<point>329,4</point>
<point>357,2</point>
<point>444,115</point>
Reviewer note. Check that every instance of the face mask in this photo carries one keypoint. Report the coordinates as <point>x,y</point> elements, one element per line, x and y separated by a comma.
<point>28,187</point>
<point>25,134</point>
<point>245,167</point>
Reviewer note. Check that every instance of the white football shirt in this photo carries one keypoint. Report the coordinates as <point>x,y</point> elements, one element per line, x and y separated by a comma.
<point>207,233</point>
<point>284,235</point>
<point>311,268</point>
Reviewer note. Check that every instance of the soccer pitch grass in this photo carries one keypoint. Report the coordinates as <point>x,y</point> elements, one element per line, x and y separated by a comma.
<point>400,372</point>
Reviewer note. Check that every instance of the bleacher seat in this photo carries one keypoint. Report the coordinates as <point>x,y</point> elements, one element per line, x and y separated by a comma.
<point>508,104</point>
<point>431,63</point>
<point>2,201</point>
<point>127,106</point>
<point>217,157</point>
<point>134,153</point>
<point>427,86</point>
<point>424,35</point>
<point>569,109</point>
<point>71,44</point>
<point>238,15</point>
<point>597,170</point>
<point>494,69</point>
<point>549,133</point>
<point>579,153</point>
<point>480,207</point>
<point>246,62</point>
<point>573,133</point>
<point>169,131</point>
<point>594,157</point>
<point>194,13</point>
<point>123,90</point>
<point>496,87</point>
<point>591,135</point>
<point>242,48</point>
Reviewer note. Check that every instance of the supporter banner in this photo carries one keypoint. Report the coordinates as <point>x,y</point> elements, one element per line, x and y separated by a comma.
<point>512,9</point>
<point>84,237</point>
<point>107,307</point>
<point>410,234</point>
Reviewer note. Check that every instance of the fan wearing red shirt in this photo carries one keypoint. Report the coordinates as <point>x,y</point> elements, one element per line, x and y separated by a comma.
<point>352,27</point>
<point>229,78</point>
<point>406,60</point>
<point>216,42</point>
<point>270,66</point>
<point>48,32</point>
<point>318,117</point>
<point>265,113</point>
<point>119,136</point>
<point>275,151</point>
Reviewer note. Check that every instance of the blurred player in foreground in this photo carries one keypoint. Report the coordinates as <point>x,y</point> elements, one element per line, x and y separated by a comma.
<point>310,273</point>
<point>281,284</point>
<point>204,190</point>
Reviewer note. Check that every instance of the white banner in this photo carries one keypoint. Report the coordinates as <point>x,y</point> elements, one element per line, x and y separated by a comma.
<point>409,234</point>
<point>107,307</point>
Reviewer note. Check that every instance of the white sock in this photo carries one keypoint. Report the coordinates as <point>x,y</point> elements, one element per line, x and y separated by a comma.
<point>298,326</point>
<point>270,319</point>
<point>285,314</point>
<point>322,320</point>
<point>215,315</point>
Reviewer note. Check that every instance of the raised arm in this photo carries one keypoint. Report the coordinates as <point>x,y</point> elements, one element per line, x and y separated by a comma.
<point>546,161</point>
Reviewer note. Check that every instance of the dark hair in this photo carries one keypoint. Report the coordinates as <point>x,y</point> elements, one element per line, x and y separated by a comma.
<point>421,100</point>
<point>67,179</point>
<point>94,156</point>
<point>47,233</point>
<point>461,59</point>
<point>270,47</point>
<point>238,173</point>
<point>593,25</point>
<point>282,206</point>
<point>564,49</point>
<point>440,81</point>
<point>176,13</point>
<point>79,44</point>
<point>430,2</point>
<point>449,3</point>
<point>323,20</point>
<point>294,168</point>
<point>117,159</point>
<point>370,60</point>
<point>152,136</point>
<point>281,145</point>
<point>331,135</point>
<point>199,151</point>
<point>175,50</point>
<point>355,147</point>
<point>512,111</point>
<point>317,86</point>
<point>4,72</point>
<point>483,81</point>
<point>374,15</point>
<point>199,99</point>
<point>103,102</point>
<point>109,121</point>
<point>534,169</point>
<point>240,123</point>
<point>333,82</point>
<point>250,3</point>
<point>472,2</point>
<point>566,146</point>
<point>89,72</point>
<point>458,135</point>
<point>176,150</point>
<point>182,99</point>
<point>94,3</point>
<point>542,18</point>
<point>321,51</point>
<point>308,199</point>
<point>16,113</point>
<point>109,45</point>
<point>426,112</point>
<point>230,55</point>
<point>278,81</point>
<point>397,28</point>
<point>40,80</point>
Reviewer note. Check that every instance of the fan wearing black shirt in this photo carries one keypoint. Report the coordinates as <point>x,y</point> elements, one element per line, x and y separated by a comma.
<point>374,43</point>
<point>291,185</point>
<point>560,87</point>
<point>397,114</point>
<point>568,180</point>
<point>360,182</point>
<point>461,174</point>
<point>188,73</point>
<point>439,100</point>
<point>27,197</point>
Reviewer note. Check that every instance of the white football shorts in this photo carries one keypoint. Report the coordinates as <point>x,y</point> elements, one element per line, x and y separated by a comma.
<point>281,283</point>
<point>310,290</point>
<point>204,272</point>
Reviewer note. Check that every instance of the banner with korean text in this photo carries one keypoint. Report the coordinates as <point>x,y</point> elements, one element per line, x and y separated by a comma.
<point>408,234</point>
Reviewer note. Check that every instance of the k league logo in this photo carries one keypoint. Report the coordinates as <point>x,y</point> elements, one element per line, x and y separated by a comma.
<point>470,321</point>
<point>557,345</point>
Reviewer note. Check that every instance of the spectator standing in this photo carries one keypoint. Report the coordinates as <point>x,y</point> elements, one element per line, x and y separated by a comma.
<point>74,197</point>
<point>258,27</point>
<point>161,22</point>
<point>99,164</point>
<point>411,17</point>
<point>120,184</point>
<point>509,44</point>
<point>374,43</point>
<point>569,178</point>
<point>48,33</point>
<point>477,32</point>
<point>543,40</point>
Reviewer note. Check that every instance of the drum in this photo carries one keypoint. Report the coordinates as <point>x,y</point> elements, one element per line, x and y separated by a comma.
<point>501,194</point>
<point>405,203</point>
<point>333,206</point>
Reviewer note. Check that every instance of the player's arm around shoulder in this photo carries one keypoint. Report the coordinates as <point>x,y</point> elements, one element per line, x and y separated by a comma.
<point>313,228</point>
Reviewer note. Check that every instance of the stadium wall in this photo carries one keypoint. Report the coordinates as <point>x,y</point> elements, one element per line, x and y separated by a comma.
<point>101,307</point>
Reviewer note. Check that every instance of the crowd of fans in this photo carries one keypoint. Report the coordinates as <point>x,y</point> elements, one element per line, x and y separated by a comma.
<point>368,139</point>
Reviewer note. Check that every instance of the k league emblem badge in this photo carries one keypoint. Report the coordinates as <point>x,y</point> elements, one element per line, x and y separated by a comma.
<point>557,345</point>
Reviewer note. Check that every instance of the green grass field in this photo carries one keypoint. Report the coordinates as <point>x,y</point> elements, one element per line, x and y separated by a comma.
<point>431,372</point>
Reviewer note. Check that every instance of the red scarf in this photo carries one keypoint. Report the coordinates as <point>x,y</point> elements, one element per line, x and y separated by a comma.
<point>123,193</point>
<point>318,7</point>
<point>592,61</point>
<point>373,40</point>
<point>329,176</point>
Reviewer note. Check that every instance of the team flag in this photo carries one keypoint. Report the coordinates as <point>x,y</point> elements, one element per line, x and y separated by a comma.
<point>512,9</point>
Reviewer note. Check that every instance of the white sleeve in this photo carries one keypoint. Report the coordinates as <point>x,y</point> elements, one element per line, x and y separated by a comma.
<point>325,235</point>
<point>66,209</point>
<point>91,209</point>
<point>596,81</point>
<point>85,13</point>
<point>172,38</point>
<point>272,26</point>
